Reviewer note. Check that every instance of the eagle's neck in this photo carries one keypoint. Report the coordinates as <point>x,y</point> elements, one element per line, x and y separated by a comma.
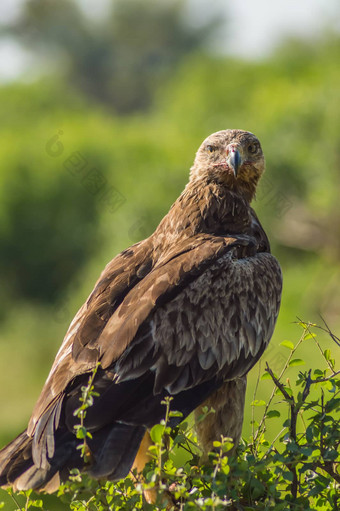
<point>206,207</point>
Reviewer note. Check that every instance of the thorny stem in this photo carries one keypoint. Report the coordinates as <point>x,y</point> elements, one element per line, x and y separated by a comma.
<point>326,379</point>
<point>328,331</point>
<point>260,426</point>
<point>273,443</point>
<point>294,411</point>
<point>254,396</point>
<point>167,401</point>
<point>307,328</point>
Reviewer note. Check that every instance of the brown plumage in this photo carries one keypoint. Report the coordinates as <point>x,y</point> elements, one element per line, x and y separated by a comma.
<point>186,312</point>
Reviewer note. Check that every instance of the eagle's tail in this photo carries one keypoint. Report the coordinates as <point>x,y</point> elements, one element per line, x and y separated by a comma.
<point>10,452</point>
<point>17,468</point>
<point>113,451</point>
<point>15,458</point>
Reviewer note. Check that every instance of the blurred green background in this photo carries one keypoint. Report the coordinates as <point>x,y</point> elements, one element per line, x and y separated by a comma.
<point>99,127</point>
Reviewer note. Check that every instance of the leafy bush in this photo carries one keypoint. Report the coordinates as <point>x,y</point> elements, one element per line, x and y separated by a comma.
<point>298,470</point>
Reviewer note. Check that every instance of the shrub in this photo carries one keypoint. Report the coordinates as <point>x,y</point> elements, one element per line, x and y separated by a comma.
<point>297,470</point>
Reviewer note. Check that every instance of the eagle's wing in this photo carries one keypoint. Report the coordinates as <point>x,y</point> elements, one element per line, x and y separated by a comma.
<point>114,283</point>
<point>216,326</point>
<point>129,289</point>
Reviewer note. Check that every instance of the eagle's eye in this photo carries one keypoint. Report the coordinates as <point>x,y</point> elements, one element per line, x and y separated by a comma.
<point>253,148</point>
<point>210,148</point>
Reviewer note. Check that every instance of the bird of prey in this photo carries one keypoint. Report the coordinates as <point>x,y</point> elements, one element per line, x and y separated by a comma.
<point>184,313</point>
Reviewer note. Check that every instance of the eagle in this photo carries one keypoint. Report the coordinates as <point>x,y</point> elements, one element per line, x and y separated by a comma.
<point>185,313</point>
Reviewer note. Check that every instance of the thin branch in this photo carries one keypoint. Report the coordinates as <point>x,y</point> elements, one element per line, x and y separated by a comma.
<point>327,467</point>
<point>10,493</point>
<point>307,328</point>
<point>259,429</point>
<point>328,330</point>
<point>306,390</point>
<point>326,379</point>
<point>271,448</point>
<point>279,385</point>
<point>254,396</point>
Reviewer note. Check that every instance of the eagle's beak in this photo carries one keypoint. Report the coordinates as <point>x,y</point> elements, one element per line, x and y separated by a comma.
<point>234,158</point>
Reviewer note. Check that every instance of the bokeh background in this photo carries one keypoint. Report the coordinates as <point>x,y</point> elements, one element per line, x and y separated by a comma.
<point>103,105</point>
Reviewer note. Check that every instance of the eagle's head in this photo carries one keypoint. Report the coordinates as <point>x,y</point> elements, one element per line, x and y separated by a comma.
<point>233,158</point>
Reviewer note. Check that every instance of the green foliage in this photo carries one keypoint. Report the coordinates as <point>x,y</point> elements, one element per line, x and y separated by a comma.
<point>117,61</point>
<point>86,400</point>
<point>298,470</point>
<point>51,225</point>
<point>57,234</point>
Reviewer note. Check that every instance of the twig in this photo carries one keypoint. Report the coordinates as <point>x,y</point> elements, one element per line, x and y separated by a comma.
<point>294,411</point>
<point>254,396</point>
<point>327,467</point>
<point>306,390</point>
<point>328,330</point>
<point>327,378</point>
<point>317,343</point>
<point>279,384</point>
<point>15,500</point>
<point>271,447</point>
<point>259,430</point>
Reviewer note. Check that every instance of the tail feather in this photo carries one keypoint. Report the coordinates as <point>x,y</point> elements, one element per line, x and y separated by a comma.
<point>113,450</point>
<point>15,454</point>
<point>33,478</point>
<point>17,467</point>
<point>44,436</point>
<point>66,456</point>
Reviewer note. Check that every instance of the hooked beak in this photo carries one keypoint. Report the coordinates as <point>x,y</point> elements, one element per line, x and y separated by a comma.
<point>234,158</point>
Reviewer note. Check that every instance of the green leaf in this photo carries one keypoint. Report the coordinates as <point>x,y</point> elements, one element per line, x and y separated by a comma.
<point>296,362</point>
<point>37,503</point>
<point>180,438</point>
<point>81,432</point>
<point>227,446</point>
<point>273,413</point>
<point>266,376</point>
<point>258,402</point>
<point>175,414</point>
<point>309,336</point>
<point>156,433</point>
<point>327,354</point>
<point>288,476</point>
<point>287,344</point>
<point>169,466</point>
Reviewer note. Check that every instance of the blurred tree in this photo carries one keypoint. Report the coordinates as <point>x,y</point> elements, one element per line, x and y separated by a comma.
<point>49,234</point>
<point>120,60</point>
